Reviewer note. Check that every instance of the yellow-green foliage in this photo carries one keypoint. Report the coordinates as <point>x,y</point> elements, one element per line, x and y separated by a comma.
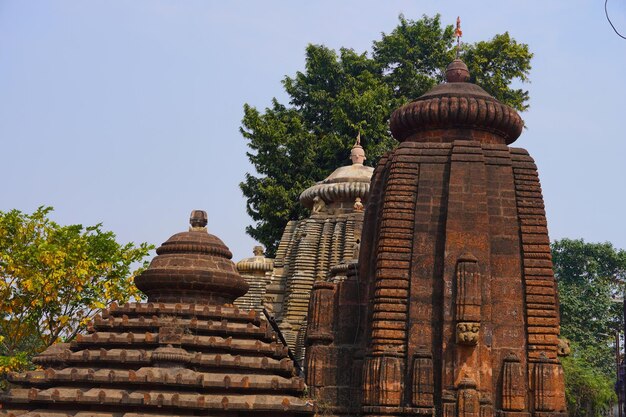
<point>54,278</point>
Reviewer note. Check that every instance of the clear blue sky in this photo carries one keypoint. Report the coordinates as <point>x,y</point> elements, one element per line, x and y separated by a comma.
<point>127,112</point>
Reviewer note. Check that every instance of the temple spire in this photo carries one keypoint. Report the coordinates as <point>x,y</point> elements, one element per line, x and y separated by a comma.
<point>357,154</point>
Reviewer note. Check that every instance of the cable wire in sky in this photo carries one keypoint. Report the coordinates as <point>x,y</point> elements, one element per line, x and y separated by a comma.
<point>606,12</point>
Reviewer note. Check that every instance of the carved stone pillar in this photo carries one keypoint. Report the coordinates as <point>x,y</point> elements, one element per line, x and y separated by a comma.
<point>423,380</point>
<point>319,372</point>
<point>468,399</point>
<point>513,386</point>
<point>321,313</point>
<point>382,381</point>
<point>486,406</point>
<point>468,300</point>
<point>448,404</point>
<point>548,386</point>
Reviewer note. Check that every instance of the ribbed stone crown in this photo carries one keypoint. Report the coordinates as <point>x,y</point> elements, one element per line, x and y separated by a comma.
<point>456,110</point>
<point>345,184</point>
<point>258,263</point>
<point>194,267</point>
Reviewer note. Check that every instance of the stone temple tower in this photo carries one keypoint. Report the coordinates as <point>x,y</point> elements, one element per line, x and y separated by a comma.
<point>453,311</point>
<point>310,248</point>
<point>257,271</point>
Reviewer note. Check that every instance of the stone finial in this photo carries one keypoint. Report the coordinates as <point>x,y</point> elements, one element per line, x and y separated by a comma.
<point>258,251</point>
<point>457,72</point>
<point>357,154</point>
<point>198,220</point>
<point>192,267</point>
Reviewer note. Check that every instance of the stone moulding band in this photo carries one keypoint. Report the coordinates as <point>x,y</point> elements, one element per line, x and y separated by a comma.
<point>456,112</point>
<point>335,192</point>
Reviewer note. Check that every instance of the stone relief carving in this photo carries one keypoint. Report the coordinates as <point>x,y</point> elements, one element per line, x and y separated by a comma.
<point>358,205</point>
<point>318,204</point>
<point>563,348</point>
<point>467,333</point>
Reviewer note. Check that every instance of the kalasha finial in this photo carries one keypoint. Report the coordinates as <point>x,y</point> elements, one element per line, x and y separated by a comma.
<point>198,219</point>
<point>357,154</point>
<point>458,33</point>
<point>457,71</point>
<point>258,251</point>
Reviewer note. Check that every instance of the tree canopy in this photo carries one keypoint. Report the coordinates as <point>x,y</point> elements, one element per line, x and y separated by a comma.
<point>55,278</point>
<point>341,93</point>
<point>590,277</point>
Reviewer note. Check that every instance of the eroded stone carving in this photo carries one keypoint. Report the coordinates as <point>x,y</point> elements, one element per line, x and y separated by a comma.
<point>563,349</point>
<point>467,333</point>
<point>318,204</point>
<point>358,206</point>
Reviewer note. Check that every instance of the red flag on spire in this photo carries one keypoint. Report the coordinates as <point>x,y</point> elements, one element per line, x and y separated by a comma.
<point>458,32</point>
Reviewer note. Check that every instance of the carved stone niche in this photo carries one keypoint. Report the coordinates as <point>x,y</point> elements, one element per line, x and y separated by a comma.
<point>547,385</point>
<point>423,385</point>
<point>513,384</point>
<point>468,401</point>
<point>448,404</point>
<point>320,368</point>
<point>382,380</point>
<point>468,300</point>
<point>486,405</point>
<point>321,313</point>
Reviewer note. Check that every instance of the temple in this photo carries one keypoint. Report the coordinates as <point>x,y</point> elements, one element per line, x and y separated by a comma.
<point>453,311</point>
<point>257,271</point>
<point>313,249</point>
<point>421,288</point>
<point>187,351</point>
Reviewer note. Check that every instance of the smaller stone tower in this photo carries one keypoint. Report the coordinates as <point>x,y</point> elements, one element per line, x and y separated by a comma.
<point>312,247</point>
<point>188,351</point>
<point>257,271</point>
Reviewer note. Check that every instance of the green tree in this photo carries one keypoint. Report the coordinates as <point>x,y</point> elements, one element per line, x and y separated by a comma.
<point>54,278</point>
<point>590,276</point>
<point>341,93</point>
<point>588,391</point>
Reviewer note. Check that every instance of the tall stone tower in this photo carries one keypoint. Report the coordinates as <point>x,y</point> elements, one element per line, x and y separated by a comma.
<point>453,311</point>
<point>310,248</point>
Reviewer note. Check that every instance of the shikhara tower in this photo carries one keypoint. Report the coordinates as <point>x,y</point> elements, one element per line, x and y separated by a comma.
<point>453,310</point>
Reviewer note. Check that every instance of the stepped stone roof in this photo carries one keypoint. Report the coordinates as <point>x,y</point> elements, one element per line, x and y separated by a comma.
<point>187,351</point>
